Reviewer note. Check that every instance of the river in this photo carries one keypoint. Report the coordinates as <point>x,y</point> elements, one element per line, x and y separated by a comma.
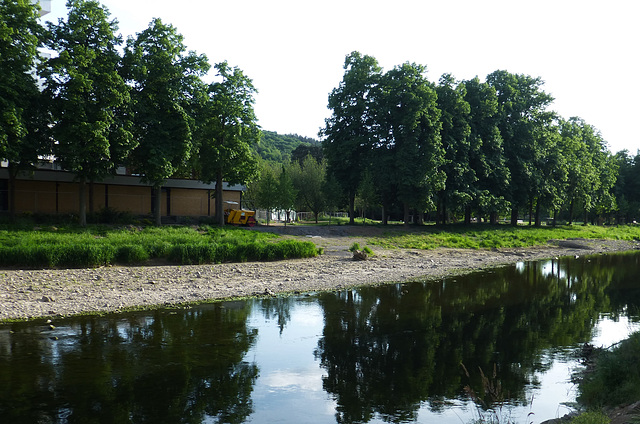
<point>423,352</point>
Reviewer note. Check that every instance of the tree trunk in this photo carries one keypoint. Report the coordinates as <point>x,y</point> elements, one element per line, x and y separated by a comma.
<point>352,208</point>
<point>91,186</point>
<point>445,220</point>
<point>219,201</point>
<point>467,215</point>
<point>571,212</point>
<point>538,222</point>
<point>385,221</point>
<point>82,197</point>
<point>406,213</point>
<point>493,218</point>
<point>530,210</point>
<point>514,216</point>
<point>13,174</point>
<point>157,212</point>
<point>555,216</point>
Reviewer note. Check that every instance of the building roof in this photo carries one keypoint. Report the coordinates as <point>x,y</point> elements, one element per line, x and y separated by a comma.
<point>124,180</point>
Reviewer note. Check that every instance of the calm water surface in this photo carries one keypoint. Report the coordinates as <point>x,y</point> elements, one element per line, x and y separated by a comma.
<point>391,353</point>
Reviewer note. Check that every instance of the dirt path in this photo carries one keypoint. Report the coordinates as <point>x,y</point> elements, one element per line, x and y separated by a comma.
<point>39,293</point>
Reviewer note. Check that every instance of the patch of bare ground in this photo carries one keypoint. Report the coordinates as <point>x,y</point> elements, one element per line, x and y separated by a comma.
<point>38,293</point>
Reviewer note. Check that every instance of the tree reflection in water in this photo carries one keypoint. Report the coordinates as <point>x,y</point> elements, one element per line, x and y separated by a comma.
<point>160,367</point>
<point>389,349</point>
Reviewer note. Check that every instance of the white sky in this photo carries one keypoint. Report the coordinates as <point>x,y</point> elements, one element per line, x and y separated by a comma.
<point>587,52</point>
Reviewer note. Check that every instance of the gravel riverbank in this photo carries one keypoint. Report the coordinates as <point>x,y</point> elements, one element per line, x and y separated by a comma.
<point>28,294</point>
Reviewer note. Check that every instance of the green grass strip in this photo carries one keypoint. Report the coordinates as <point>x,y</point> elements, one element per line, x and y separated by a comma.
<point>498,236</point>
<point>70,247</point>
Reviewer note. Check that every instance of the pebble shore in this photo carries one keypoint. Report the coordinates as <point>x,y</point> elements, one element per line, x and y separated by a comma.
<point>28,294</point>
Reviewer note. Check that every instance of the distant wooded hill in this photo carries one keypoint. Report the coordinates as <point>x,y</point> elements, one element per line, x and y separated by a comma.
<point>278,147</point>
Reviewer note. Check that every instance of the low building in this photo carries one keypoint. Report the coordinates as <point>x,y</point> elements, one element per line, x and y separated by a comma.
<point>55,192</point>
<point>50,190</point>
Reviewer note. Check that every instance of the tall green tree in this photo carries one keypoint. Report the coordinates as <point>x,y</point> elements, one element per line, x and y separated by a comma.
<point>300,153</point>
<point>459,189</point>
<point>487,158</point>
<point>409,139</point>
<point>368,196</point>
<point>522,105</point>
<point>287,193</point>
<point>607,166</point>
<point>627,187</point>
<point>350,131</point>
<point>592,170</point>
<point>22,117</point>
<point>228,130</point>
<point>264,190</point>
<point>581,170</point>
<point>553,168</point>
<point>88,95</point>
<point>334,196</point>
<point>308,180</point>
<point>166,84</point>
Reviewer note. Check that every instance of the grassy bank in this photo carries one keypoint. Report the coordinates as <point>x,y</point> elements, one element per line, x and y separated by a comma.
<point>497,236</point>
<point>62,247</point>
<point>615,377</point>
<point>610,383</point>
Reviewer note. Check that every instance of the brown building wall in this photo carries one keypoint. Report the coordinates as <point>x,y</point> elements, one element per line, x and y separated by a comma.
<point>136,200</point>
<point>68,198</point>
<point>62,197</point>
<point>35,197</point>
<point>187,202</point>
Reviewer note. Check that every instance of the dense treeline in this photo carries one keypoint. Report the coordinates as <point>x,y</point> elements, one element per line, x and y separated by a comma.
<point>99,103</point>
<point>282,148</point>
<point>395,141</point>
<point>458,149</point>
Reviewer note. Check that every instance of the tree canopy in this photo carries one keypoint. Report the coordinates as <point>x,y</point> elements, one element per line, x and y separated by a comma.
<point>461,147</point>
<point>350,132</point>
<point>23,121</point>
<point>228,131</point>
<point>165,79</point>
<point>88,95</point>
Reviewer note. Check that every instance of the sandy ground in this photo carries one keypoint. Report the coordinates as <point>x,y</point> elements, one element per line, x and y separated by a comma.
<point>28,294</point>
